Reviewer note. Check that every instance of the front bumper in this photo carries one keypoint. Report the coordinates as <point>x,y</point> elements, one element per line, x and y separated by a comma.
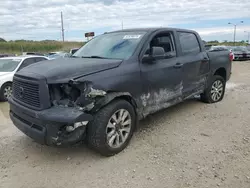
<point>48,126</point>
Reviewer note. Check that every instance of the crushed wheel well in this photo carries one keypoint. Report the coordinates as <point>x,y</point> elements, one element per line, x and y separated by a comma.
<point>221,72</point>
<point>111,96</point>
<point>129,99</point>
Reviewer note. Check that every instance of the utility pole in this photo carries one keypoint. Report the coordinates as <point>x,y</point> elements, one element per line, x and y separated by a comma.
<point>122,24</point>
<point>235,25</point>
<point>62,26</point>
<point>234,33</point>
<point>248,36</point>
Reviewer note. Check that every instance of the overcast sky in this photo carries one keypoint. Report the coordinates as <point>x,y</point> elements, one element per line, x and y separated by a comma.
<point>40,19</point>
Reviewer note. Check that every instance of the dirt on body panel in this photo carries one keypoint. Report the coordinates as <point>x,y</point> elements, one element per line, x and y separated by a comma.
<point>164,98</point>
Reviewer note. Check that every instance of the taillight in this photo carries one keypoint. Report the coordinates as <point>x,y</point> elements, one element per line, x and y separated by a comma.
<point>231,56</point>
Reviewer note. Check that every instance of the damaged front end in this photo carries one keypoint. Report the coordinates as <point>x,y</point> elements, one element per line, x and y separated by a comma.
<point>80,96</point>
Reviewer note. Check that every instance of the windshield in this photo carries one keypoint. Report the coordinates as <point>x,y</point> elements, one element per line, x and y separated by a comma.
<point>120,45</point>
<point>8,65</point>
<point>240,48</point>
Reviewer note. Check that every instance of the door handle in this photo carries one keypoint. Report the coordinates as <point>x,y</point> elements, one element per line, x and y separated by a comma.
<point>178,65</point>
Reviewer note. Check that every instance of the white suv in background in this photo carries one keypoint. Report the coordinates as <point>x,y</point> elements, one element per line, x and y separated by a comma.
<point>8,67</point>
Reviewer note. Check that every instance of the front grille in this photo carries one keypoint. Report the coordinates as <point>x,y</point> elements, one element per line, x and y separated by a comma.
<point>26,92</point>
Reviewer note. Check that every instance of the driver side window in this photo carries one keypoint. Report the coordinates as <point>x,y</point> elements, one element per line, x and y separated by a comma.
<point>164,40</point>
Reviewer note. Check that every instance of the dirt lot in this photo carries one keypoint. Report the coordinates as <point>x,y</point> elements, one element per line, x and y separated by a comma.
<point>189,145</point>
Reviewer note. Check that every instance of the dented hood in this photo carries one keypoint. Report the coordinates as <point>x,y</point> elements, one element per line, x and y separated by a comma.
<point>63,69</point>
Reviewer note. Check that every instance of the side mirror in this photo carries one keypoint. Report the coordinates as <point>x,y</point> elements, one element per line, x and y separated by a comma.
<point>158,52</point>
<point>147,59</point>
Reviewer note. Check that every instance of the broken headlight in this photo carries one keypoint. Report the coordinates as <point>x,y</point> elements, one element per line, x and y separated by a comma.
<point>74,94</point>
<point>64,95</point>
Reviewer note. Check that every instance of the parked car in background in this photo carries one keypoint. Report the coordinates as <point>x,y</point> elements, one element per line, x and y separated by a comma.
<point>104,89</point>
<point>59,55</point>
<point>6,55</point>
<point>215,48</point>
<point>241,53</point>
<point>52,53</point>
<point>8,67</point>
<point>73,50</point>
<point>33,53</point>
<point>211,48</point>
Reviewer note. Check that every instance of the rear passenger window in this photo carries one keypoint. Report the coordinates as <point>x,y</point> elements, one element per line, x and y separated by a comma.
<point>189,43</point>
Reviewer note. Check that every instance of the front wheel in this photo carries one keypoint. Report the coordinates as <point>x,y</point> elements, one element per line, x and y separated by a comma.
<point>6,91</point>
<point>215,90</point>
<point>112,128</point>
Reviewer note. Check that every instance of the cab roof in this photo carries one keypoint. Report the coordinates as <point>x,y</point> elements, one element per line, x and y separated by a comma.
<point>151,29</point>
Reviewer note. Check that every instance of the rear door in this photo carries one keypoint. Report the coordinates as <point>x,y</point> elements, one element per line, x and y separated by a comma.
<point>195,63</point>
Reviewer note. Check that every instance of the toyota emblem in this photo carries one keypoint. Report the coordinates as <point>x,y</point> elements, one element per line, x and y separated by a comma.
<point>21,92</point>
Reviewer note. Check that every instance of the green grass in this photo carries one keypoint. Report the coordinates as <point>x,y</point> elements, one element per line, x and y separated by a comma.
<point>37,46</point>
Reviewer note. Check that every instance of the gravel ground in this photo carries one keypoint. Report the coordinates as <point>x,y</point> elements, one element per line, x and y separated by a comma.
<point>189,145</point>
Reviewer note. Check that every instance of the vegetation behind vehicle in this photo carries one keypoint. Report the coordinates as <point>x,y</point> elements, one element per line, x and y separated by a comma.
<point>19,46</point>
<point>36,46</point>
<point>226,43</point>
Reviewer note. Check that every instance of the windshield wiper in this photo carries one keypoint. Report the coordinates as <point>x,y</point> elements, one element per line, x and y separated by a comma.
<point>94,56</point>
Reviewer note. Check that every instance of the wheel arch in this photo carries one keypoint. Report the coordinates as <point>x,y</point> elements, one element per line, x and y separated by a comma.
<point>111,96</point>
<point>221,72</point>
<point>7,82</point>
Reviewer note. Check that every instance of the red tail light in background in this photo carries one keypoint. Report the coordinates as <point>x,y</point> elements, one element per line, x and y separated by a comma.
<point>231,56</point>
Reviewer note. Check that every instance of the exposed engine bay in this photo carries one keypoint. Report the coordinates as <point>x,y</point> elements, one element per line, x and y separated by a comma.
<point>81,95</point>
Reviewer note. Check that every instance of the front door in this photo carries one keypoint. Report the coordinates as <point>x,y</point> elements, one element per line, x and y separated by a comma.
<point>162,79</point>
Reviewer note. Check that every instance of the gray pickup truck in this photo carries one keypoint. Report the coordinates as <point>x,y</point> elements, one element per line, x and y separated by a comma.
<point>99,94</point>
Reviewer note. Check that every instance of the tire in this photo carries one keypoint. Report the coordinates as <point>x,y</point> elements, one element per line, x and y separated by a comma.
<point>100,127</point>
<point>3,91</point>
<point>208,97</point>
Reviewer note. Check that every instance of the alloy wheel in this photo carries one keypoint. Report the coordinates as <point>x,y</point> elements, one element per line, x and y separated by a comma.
<point>7,92</point>
<point>118,128</point>
<point>217,90</point>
